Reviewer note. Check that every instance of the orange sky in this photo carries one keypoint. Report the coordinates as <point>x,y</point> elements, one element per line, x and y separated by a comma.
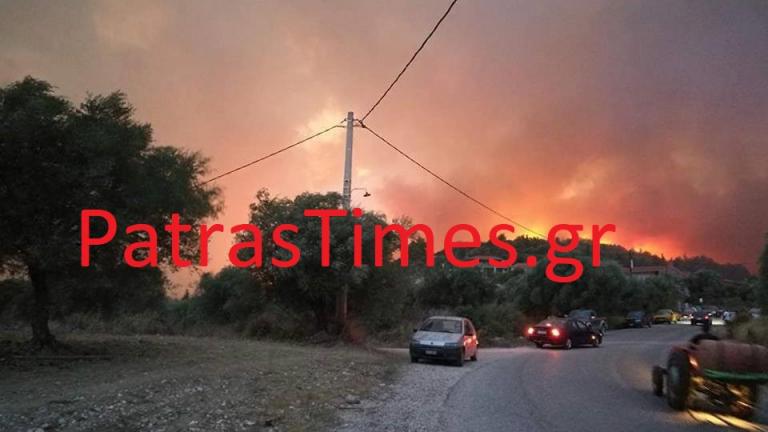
<point>649,115</point>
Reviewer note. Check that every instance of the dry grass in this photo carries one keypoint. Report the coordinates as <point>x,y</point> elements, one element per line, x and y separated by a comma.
<point>172,382</point>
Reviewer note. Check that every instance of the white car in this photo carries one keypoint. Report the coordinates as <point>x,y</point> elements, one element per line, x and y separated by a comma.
<point>449,338</point>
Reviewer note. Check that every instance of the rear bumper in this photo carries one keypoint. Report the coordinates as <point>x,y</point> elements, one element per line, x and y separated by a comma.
<point>434,352</point>
<point>547,340</point>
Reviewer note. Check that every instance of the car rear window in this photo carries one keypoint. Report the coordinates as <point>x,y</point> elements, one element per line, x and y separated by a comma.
<point>581,314</point>
<point>550,323</point>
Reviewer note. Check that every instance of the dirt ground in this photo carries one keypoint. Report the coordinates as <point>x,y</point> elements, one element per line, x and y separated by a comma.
<point>170,383</point>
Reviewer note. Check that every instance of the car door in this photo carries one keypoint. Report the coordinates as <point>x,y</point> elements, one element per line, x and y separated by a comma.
<point>470,339</point>
<point>580,333</point>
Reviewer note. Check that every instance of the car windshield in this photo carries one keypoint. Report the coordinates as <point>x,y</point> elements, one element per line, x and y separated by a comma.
<point>635,314</point>
<point>441,325</point>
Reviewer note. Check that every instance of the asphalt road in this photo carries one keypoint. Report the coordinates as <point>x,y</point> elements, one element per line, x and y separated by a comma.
<point>584,389</point>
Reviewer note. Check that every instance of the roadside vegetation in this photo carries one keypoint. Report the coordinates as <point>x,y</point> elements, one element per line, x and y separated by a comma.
<point>384,304</point>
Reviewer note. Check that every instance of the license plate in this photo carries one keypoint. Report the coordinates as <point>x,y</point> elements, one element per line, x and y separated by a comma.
<point>541,332</point>
<point>430,352</point>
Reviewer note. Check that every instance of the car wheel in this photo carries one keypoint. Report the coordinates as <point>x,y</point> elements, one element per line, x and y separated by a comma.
<point>744,407</point>
<point>539,345</point>
<point>678,380</point>
<point>568,344</point>
<point>474,357</point>
<point>657,377</point>
<point>414,359</point>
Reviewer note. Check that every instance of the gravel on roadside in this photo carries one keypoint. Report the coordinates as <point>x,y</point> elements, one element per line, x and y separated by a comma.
<point>413,403</point>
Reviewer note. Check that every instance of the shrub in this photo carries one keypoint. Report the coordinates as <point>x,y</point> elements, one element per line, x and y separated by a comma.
<point>15,299</point>
<point>230,296</point>
<point>753,331</point>
<point>495,320</point>
<point>277,322</point>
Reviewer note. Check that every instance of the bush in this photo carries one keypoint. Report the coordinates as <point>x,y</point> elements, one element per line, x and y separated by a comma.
<point>230,296</point>
<point>456,287</point>
<point>753,331</point>
<point>148,322</point>
<point>15,299</point>
<point>277,322</point>
<point>615,321</point>
<point>497,324</point>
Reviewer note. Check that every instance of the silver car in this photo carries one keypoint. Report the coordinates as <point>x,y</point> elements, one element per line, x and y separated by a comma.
<point>444,338</point>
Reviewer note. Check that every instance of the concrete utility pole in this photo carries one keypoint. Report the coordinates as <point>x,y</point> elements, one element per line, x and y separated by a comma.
<point>346,191</point>
<point>346,199</point>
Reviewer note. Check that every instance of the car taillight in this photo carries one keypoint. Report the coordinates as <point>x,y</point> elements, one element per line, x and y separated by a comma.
<point>555,332</point>
<point>530,330</point>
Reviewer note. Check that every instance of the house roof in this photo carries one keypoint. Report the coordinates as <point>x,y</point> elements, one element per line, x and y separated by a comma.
<point>656,269</point>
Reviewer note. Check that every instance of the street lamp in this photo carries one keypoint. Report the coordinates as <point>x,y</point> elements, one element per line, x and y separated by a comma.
<point>365,195</point>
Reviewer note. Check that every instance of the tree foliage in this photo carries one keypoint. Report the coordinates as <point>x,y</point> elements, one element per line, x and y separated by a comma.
<point>308,285</point>
<point>56,160</point>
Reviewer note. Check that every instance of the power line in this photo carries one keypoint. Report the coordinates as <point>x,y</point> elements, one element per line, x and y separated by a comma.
<point>397,78</point>
<point>274,153</point>
<point>449,184</point>
<point>413,57</point>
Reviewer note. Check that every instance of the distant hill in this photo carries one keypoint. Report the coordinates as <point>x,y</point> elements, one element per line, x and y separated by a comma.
<point>736,272</point>
<point>526,246</point>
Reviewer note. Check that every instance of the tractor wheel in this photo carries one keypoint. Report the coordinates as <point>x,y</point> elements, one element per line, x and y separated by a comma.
<point>657,377</point>
<point>678,380</point>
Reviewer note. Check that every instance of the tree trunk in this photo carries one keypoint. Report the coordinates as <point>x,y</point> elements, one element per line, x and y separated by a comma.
<point>41,334</point>
<point>341,308</point>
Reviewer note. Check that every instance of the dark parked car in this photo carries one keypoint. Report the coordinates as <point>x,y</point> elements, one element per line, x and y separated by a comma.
<point>637,319</point>
<point>564,332</point>
<point>444,338</point>
<point>701,317</point>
